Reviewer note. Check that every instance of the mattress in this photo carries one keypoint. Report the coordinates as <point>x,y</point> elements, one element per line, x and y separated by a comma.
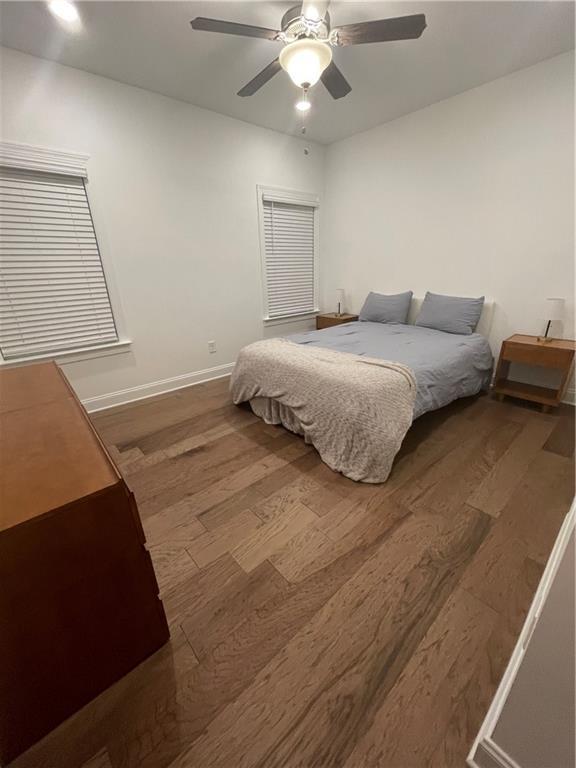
<point>446,366</point>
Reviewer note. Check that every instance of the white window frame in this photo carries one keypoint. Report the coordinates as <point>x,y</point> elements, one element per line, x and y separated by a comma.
<point>281,195</point>
<point>42,159</point>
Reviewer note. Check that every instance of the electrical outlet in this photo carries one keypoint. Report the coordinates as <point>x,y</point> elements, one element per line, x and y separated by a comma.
<point>211,346</point>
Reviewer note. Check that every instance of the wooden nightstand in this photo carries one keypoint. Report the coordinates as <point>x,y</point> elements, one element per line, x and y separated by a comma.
<point>557,354</point>
<point>328,319</point>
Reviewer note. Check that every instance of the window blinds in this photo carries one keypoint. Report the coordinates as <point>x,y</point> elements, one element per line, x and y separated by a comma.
<point>290,265</point>
<point>53,293</point>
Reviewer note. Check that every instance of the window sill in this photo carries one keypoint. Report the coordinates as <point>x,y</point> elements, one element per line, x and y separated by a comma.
<point>290,318</point>
<point>74,355</point>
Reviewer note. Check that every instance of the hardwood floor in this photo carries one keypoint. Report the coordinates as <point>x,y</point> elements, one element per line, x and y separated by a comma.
<point>317,622</point>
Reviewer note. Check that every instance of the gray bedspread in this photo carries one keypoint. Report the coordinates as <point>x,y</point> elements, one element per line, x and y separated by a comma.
<point>446,365</point>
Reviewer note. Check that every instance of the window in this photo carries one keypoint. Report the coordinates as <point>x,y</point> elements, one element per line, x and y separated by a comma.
<point>53,292</point>
<point>289,243</point>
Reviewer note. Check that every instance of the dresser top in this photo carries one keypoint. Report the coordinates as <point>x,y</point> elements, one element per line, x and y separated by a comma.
<point>50,455</point>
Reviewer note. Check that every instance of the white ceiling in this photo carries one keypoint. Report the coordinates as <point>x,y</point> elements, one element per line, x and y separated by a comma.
<point>151,45</point>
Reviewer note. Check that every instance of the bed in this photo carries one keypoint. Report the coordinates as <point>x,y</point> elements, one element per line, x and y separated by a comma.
<point>446,366</point>
<point>353,390</point>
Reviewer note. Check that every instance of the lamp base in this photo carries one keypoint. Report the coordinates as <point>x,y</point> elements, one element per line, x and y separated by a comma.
<point>545,339</point>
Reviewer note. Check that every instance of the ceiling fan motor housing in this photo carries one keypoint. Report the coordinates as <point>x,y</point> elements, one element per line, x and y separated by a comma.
<point>295,26</point>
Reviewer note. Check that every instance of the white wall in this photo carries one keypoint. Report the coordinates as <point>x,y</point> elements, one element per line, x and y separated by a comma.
<point>473,195</point>
<point>173,192</point>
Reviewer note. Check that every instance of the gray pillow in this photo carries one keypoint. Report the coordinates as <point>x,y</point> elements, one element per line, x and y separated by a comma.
<point>379,308</point>
<point>452,314</point>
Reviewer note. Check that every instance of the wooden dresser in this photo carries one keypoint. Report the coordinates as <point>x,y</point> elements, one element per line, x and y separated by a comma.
<point>79,603</point>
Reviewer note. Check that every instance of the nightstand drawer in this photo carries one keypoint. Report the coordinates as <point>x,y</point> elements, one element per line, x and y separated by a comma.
<point>550,357</point>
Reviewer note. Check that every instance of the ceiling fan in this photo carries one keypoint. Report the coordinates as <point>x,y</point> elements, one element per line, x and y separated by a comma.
<point>308,39</point>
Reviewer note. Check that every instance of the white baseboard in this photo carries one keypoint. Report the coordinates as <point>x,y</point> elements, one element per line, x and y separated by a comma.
<point>143,391</point>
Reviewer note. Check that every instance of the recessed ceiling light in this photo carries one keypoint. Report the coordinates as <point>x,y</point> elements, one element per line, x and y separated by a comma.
<point>64,10</point>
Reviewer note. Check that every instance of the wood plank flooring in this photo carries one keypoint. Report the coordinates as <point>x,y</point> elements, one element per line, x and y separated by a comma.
<point>317,622</point>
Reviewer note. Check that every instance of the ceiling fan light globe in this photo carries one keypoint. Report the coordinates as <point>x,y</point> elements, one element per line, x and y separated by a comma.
<point>303,105</point>
<point>305,60</point>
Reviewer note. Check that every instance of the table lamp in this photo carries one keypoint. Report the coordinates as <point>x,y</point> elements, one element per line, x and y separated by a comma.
<point>340,301</point>
<point>554,310</point>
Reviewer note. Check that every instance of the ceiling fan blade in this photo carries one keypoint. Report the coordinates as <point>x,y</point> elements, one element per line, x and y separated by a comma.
<point>232,28</point>
<point>335,82</point>
<point>382,31</point>
<point>314,10</point>
<point>261,78</point>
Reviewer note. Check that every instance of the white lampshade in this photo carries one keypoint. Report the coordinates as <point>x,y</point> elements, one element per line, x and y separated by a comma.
<point>554,309</point>
<point>305,60</point>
